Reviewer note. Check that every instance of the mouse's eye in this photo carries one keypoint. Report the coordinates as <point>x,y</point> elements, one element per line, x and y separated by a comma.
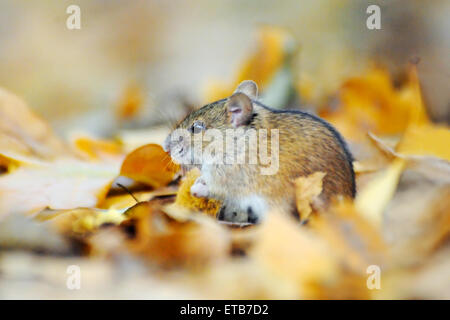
<point>197,127</point>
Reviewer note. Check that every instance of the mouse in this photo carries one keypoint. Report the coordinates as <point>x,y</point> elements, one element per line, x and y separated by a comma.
<point>300,144</point>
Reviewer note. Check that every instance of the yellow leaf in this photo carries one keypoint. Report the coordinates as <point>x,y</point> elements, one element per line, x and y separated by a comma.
<point>412,93</point>
<point>426,140</point>
<point>263,64</point>
<point>260,67</point>
<point>307,189</point>
<point>373,199</point>
<point>185,199</point>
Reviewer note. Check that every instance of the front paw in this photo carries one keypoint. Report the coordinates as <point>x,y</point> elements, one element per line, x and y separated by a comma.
<point>199,189</point>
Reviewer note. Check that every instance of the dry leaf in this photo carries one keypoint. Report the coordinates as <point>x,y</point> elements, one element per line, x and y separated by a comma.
<point>367,102</point>
<point>373,199</point>
<point>418,223</point>
<point>149,164</point>
<point>124,201</point>
<point>435,168</point>
<point>351,237</point>
<point>163,240</point>
<point>426,140</point>
<point>307,190</point>
<point>185,199</point>
<point>293,254</point>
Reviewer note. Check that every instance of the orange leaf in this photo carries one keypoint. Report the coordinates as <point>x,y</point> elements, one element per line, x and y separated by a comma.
<point>149,164</point>
<point>372,103</point>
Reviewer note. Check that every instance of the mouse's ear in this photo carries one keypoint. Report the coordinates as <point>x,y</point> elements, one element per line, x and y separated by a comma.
<point>240,109</point>
<point>249,87</point>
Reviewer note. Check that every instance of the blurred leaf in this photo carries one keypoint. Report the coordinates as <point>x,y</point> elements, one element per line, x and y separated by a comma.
<point>419,223</point>
<point>18,232</point>
<point>372,103</point>
<point>24,133</point>
<point>293,254</point>
<point>170,242</point>
<point>352,238</point>
<point>133,139</point>
<point>96,149</point>
<point>124,201</point>
<point>61,184</point>
<point>81,220</point>
<point>435,168</point>
<point>131,102</point>
<point>269,66</point>
<point>427,140</point>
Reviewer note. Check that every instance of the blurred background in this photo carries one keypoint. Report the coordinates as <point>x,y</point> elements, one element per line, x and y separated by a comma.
<point>136,67</point>
<point>159,56</point>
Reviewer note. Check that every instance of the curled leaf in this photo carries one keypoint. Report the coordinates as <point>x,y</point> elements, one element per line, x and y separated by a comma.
<point>149,164</point>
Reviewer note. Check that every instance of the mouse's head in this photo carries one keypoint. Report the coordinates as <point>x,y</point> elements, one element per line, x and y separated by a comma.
<point>230,113</point>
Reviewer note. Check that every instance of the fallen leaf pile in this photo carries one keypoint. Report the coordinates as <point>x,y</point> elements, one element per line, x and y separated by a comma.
<point>127,219</point>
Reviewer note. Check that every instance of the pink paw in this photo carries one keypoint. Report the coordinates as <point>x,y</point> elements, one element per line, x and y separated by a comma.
<point>199,189</point>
